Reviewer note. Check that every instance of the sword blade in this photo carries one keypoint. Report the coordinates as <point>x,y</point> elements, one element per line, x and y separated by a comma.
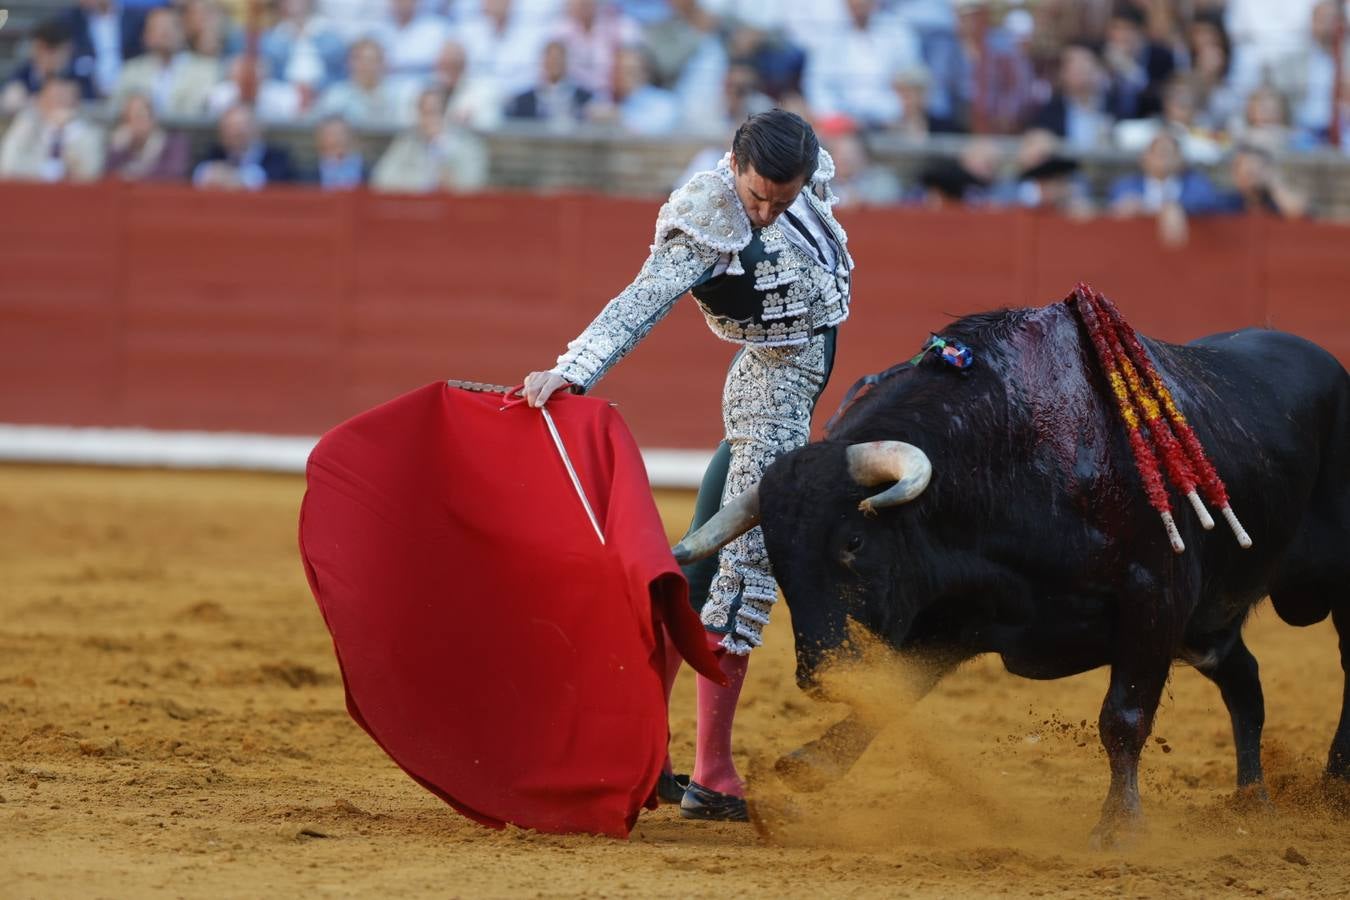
<point>572,473</point>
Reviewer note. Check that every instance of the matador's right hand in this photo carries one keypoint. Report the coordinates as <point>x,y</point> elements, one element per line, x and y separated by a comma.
<point>539,386</point>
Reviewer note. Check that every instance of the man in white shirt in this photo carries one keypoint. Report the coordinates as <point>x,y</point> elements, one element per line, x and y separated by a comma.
<point>177,82</point>
<point>1263,33</point>
<point>411,43</point>
<point>365,98</point>
<point>1308,77</point>
<point>850,70</point>
<point>48,141</point>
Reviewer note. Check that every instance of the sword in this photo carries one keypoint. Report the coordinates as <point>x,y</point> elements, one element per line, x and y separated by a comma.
<point>504,391</point>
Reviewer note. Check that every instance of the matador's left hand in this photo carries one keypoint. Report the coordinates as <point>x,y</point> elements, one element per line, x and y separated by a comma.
<point>539,386</point>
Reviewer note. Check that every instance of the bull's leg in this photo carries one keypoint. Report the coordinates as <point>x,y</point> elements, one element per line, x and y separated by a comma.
<point>1238,678</point>
<point>1338,760</point>
<point>1125,722</point>
<point>829,757</point>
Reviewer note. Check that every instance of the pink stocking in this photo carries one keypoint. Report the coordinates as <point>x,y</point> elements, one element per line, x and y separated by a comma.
<point>713,765</point>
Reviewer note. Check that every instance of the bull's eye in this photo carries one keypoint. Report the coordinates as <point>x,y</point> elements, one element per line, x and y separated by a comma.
<point>854,544</point>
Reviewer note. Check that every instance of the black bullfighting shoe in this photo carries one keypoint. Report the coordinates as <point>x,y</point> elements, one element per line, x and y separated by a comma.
<point>670,788</point>
<point>704,803</point>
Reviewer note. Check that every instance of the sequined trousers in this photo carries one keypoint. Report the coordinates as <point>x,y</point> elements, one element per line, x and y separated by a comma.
<point>767,401</point>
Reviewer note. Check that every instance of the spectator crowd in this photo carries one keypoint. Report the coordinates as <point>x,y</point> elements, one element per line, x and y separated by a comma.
<point>1181,85</point>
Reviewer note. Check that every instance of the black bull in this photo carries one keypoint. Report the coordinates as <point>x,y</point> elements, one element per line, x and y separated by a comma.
<point>1034,539</point>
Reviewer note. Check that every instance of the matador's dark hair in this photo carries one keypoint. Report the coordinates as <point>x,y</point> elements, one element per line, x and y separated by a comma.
<point>781,146</point>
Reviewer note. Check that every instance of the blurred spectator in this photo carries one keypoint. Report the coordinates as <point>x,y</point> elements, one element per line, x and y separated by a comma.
<point>340,165</point>
<point>644,12</point>
<point>274,101</point>
<point>778,61</point>
<point>353,19</point>
<point>206,28</point>
<point>858,180</point>
<point>48,141</point>
<point>503,46</point>
<point>700,86</point>
<point>982,79</point>
<point>594,34</point>
<point>925,16</point>
<point>1265,120</point>
<point>139,149</point>
<point>1163,178</point>
<point>1053,184</point>
<point>1045,179</point>
<point>966,180</point>
<point>1165,188</point>
<point>473,102</point>
<point>1211,60</point>
<point>1340,132</point>
<point>1199,145</point>
<point>105,34</point>
<point>785,22</point>
<point>1181,114</point>
<point>432,156</point>
<point>1076,111</point>
<point>1137,67</point>
<point>1258,186</point>
<point>849,70</point>
<point>916,122</point>
<point>638,106</point>
<point>1265,33</point>
<point>1310,77</point>
<point>411,42</point>
<point>303,48</point>
<point>740,98</point>
<point>671,41</point>
<point>49,56</point>
<point>242,159</point>
<point>365,98</point>
<point>556,100</point>
<point>176,80</point>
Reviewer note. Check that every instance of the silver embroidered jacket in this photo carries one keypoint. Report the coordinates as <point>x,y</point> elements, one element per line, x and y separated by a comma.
<point>703,241</point>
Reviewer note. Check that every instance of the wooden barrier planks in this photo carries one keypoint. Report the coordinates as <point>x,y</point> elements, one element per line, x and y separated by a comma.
<point>287,311</point>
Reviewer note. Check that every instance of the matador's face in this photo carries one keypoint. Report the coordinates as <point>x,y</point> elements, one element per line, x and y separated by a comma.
<point>764,200</point>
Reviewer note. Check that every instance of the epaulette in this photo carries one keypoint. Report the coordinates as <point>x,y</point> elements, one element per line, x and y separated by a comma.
<point>705,208</point>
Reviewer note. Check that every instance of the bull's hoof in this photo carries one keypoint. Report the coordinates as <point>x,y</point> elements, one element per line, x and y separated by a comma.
<point>808,770</point>
<point>1117,832</point>
<point>1252,800</point>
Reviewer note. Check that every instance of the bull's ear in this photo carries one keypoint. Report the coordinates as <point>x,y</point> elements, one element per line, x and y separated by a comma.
<point>882,462</point>
<point>731,521</point>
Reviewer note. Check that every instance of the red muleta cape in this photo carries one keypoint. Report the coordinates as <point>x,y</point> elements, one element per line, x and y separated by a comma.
<point>488,642</point>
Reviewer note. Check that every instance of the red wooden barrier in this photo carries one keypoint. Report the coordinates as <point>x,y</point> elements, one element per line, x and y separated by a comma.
<point>285,312</point>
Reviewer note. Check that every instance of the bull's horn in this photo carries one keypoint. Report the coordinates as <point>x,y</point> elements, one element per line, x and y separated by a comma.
<point>731,521</point>
<point>880,462</point>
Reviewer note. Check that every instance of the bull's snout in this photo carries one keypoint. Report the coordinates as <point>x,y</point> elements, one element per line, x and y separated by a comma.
<point>815,659</point>
<point>810,663</point>
<point>806,681</point>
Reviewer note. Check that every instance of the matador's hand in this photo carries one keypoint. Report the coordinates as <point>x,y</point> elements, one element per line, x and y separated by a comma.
<point>539,386</point>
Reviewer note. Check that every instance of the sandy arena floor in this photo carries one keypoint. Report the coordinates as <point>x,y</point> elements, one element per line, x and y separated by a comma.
<point>172,724</point>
